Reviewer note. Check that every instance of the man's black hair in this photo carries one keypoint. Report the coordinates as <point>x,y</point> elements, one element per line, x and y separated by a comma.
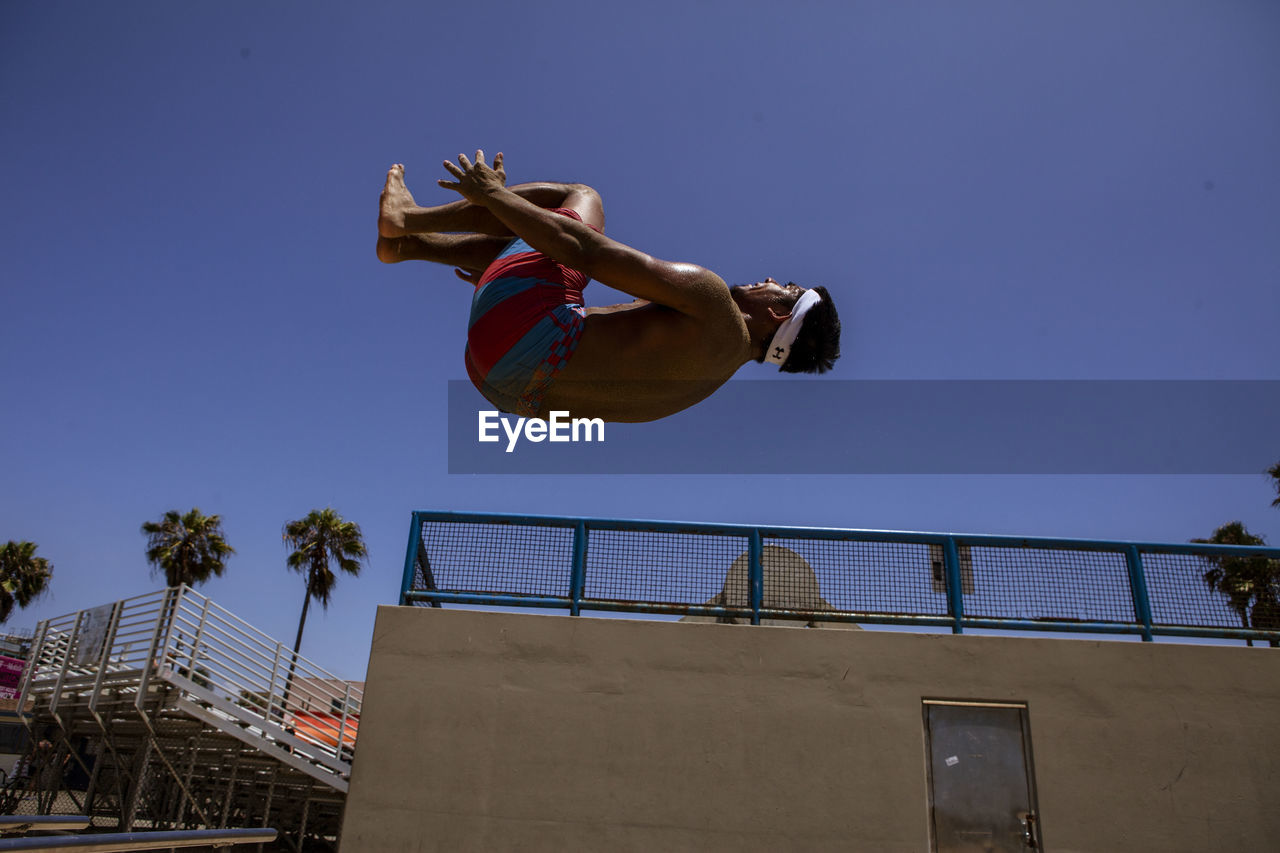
<point>817,346</point>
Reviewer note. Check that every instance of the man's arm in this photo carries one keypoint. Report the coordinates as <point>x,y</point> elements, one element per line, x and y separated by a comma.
<point>687,288</point>
<point>464,216</point>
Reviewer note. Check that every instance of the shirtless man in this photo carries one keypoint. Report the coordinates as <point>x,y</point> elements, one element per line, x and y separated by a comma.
<point>533,348</point>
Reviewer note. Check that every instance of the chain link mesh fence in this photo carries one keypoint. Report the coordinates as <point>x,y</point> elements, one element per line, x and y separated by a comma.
<point>804,574</point>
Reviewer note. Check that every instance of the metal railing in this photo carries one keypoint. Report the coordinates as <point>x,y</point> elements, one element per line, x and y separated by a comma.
<point>130,841</point>
<point>18,824</point>
<point>230,674</point>
<point>754,573</point>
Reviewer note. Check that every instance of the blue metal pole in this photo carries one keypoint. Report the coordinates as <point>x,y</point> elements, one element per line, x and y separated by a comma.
<point>755,576</point>
<point>578,571</point>
<point>1138,585</point>
<point>410,557</point>
<point>955,592</point>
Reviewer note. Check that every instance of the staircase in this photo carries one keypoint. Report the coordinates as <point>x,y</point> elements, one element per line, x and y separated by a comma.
<point>168,712</point>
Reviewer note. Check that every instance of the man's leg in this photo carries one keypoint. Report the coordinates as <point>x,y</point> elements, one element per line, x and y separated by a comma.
<point>399,214</point>
<point>470,252</point>
<point>586,203</point>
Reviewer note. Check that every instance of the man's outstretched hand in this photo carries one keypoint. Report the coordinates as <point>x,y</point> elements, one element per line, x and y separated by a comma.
<point>475,180</point>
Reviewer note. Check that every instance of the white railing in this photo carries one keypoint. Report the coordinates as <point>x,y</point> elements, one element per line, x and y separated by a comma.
<point>230,674</point>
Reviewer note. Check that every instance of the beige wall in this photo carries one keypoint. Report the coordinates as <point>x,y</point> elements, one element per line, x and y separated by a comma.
<point>493,731</point>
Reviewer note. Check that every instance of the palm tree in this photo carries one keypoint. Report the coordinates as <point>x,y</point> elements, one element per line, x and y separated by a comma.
<point>321,536</point>
<point>1274,471</point>
<point>1251,584</point>
<point>188,548</point>
<point>24,577</point>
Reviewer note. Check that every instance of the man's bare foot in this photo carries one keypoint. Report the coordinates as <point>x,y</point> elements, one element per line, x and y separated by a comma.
<point>394,202</point>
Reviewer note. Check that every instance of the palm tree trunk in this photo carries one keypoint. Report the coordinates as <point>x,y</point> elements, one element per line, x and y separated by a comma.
<point>297,644</point>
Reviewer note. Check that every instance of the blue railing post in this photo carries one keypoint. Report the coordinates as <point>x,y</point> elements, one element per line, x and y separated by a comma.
<point>1138,585</point>
<point>955,592</point>
<point>755,576</point>
<point>578,572</point>
<point>410,557</point>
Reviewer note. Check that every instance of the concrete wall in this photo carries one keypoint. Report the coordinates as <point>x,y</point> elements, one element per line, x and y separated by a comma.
<point>492,731</point>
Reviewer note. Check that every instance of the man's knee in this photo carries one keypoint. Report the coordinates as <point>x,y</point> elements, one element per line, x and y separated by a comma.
<point>584,194</point>
<point>582,189</point>
<point>587,203</point>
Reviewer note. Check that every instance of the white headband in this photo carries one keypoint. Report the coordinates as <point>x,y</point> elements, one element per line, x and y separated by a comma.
<point>780,346</point>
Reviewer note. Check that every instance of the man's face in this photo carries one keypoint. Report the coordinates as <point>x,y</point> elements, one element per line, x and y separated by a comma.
<point>769,293</point>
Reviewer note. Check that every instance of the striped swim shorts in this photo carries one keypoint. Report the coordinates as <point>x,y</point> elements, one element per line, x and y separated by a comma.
<point>527,316</point>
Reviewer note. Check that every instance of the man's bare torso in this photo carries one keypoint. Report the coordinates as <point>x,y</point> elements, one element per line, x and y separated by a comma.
<point>644,361</point>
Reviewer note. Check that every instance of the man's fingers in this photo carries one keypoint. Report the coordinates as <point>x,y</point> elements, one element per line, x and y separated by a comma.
<point>479,157</point>
<point>450,185</point>
<point>497,162</point>
<point>464,162</point>
<point>453,170</point>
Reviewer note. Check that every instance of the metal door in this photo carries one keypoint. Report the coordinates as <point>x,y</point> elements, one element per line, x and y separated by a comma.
<point>981,786</point>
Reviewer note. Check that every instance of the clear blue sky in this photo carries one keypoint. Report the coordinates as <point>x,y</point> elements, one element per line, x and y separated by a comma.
<point>192,312</point>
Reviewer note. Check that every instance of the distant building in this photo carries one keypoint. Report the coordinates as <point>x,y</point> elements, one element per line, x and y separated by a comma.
<point>15,649</point>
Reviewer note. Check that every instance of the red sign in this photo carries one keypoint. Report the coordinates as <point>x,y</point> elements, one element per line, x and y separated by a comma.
<point>10,676</point>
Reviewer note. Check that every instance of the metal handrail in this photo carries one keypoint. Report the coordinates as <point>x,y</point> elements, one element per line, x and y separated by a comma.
<point>230,670</point>
<point>44,823</point>
<point>835,533</point>
<point>1130,557</point>
<point>127,841</point>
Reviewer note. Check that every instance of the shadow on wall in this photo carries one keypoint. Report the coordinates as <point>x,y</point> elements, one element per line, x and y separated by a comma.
<point>789,584</point>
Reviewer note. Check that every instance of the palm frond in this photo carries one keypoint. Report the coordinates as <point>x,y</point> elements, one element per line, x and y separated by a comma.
<point>24,577</point>
<point>1249,584</point>
<point>186,547</point>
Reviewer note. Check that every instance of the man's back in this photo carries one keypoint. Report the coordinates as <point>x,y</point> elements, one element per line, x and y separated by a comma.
<point>644,361</point>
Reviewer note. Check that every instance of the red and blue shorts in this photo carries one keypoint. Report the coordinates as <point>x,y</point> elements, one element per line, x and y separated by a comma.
<point>527,316</point>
